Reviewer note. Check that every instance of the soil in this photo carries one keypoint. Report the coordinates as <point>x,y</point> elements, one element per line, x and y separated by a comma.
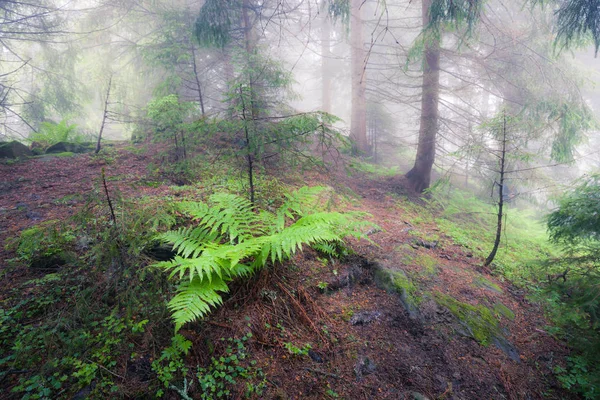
<point>389,355</point>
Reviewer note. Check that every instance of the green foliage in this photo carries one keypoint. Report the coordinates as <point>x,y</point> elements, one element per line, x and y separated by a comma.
<point>230,240</point>
<point>51,133</point>
<point>168,113</point>
<point>568,120</point>
<point>45,239</point>
<point>576,377</point>
<point>215,22</point>
<point>578,19</point>
<point>574,302</point>
<point>170,366</point>
<point>224,373</point>
<point>461,12</point>
<point>297,351</point>
<point>468,221</point>
<point>577,221</point>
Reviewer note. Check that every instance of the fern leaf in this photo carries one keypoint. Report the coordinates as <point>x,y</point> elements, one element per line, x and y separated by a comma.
<point>296,204</point>
<point>195,299</point>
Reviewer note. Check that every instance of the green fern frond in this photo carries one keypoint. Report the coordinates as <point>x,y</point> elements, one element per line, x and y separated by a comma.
<point>231,240</point>
<point>229,217</point>
<point>296,204</point>
<point>195,299</point>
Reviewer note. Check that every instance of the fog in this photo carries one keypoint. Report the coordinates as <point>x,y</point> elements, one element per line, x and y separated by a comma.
<point>364,64</point>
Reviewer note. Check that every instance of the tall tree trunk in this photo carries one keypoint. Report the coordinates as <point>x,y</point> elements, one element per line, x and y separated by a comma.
<point>104,115</point>
<point>326,64</point>
<point>420,175</point>
<point>200,95</point>
<point>358,119</point>
<point>492,255</point>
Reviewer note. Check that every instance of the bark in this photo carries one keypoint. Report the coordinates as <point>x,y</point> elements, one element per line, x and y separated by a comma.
<point>197,78</point>
<point>420,175</point>
<point>492,255</point>
<point>326,65</point>
<point>104,115</point>
<point>358,119</point>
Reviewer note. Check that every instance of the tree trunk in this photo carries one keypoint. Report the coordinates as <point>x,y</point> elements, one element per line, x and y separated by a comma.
<point>492,255</point>
<point>200,95</point>
<point>358,119</point>
<point>104,116</point>
<point>326,64</point>
<point>420,175</point>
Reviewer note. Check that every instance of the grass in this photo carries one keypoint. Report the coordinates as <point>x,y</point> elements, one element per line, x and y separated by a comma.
<point>471,223</point>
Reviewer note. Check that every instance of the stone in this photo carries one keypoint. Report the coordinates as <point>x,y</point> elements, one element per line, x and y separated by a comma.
<point>68,147</point>
<point>51,262</point>
<point>160,251</point>
<point>364,317</point>
<point>14,150</point>
<point>364,366</point>
<point>316,357</point>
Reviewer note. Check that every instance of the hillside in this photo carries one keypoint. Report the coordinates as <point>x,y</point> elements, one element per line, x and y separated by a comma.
<point>409,315</point>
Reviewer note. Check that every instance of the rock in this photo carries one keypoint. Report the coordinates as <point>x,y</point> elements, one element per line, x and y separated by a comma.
<point>68,147</point>
<point>51,262</point>
<point>364,317</point>
<point>160,251</point>
<point>507,348</point>
<point>396,281</point>
<point>316,357</point>
<point>418,396</point>
<point>14,150</point>
<point>427,245</point>
<point>32,215</point>
<point>364,366</point>
<point>347,279</point>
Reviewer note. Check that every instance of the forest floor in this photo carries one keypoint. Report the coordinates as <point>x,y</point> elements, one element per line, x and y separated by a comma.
<point>404,317</point>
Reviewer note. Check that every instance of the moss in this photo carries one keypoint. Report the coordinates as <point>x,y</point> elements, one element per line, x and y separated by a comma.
<point>428,264</point>
<point>407,253</point>
<point>501,310</point>
<point>479,321</point>
<point>396,281</point>
<point>481,282</point>
<point>64,154</point>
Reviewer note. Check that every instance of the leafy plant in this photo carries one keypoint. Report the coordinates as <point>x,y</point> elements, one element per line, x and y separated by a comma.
<point>224,372</point>
<point>231,240</point>
<point>170,365</point>
<point>297,351</point>
<point>51,133</point>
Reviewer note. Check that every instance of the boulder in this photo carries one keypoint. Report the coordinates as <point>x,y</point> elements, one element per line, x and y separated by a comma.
<point>68,147</point>
<point>14,149</point>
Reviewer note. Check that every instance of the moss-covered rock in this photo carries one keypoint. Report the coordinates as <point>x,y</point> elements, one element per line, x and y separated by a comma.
<point>501,310</point>
<point>68,147</point>
<point>478,321</point>
<point>481,282</point>
<point>14,149</point>
<point>396,281</point>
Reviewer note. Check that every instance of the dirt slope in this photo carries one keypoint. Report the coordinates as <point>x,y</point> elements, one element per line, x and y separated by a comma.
<point>400,319</point>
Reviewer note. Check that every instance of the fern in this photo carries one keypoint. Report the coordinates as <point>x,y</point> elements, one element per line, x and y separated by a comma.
<point>231,240</point>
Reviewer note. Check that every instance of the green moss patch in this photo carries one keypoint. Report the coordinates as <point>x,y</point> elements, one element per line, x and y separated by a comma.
<point>428,264</point>
<point>396,281</point>
<point>481,282</point>
<point>478,321</point>
<point>501,310</point>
